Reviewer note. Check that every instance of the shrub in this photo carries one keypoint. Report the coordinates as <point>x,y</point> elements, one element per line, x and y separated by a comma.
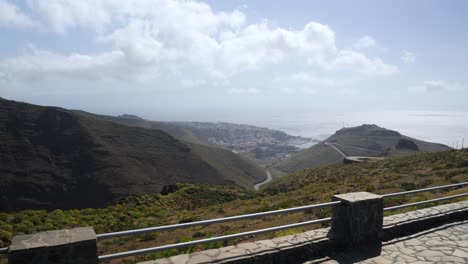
<point>463,164</point>
<point>199,234</point>
<point>3,217</point>
<point>149,237</point>
<point>408,186</point>
<point>5,237</point>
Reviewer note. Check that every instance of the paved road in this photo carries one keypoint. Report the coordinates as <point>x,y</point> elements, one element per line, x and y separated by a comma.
<point>268,179</point>
<point>447,244</point>
<point>352,158</point>
<point>337,149</point>
<point>363,149</point>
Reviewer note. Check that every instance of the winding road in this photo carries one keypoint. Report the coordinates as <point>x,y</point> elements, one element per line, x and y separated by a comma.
<point>268,179</point>
<point>363,149</point>
<point>337,149</point>
<point>353,158</point>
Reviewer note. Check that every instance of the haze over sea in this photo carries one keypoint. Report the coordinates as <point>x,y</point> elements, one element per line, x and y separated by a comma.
<point>442,127</point>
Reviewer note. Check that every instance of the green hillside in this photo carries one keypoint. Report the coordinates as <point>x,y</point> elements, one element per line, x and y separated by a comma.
<point>364,140</point>
<point>56,158</point>
<point>187,202</point>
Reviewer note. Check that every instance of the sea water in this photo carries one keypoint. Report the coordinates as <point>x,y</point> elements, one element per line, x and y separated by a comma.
<point>449,128</point>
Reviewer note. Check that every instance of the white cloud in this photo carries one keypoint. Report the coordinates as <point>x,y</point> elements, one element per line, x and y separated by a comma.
<point>169,14</point>
<point>408,57</point>
<point>10,15</point>
<point>243,90</point>
<point>193,83</point>
<point>63,14</point>
<point>365,42</point>
<point>358,62</point>
<point>39,64</point>
<point>313,80</point>
<point>298,90</point>
<point>148,35</point>
<point>438,86</point>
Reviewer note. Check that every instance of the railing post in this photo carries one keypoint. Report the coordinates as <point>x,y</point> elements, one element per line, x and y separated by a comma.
<point>67,246</point>
<point>357,219</point>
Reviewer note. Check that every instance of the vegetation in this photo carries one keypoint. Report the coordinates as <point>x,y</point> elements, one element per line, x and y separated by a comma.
<point>187,202</point>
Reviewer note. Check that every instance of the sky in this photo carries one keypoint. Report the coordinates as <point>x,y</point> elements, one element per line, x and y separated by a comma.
<point>196,60</point>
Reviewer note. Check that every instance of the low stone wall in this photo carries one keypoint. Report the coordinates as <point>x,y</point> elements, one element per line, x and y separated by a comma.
<point>405,224</point>
<point>316,243</point>
<point>69,246</point>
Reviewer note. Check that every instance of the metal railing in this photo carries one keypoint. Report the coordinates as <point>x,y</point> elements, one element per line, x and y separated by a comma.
<point>212,221</point>
<point>208,240</point>
<point>425,189</point>
<point>426,201</point>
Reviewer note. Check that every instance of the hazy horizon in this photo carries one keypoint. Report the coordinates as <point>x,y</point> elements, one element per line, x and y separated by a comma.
<point>445,127</point>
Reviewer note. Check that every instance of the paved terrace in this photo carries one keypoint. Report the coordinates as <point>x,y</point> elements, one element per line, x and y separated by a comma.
<point>406,239</point>
<point>445,244</point>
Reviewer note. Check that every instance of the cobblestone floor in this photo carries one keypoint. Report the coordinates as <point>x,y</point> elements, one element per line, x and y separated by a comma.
<point>446,244</point>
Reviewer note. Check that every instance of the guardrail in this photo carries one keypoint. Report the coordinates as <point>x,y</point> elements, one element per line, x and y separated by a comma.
<point>208,240</point>
<point>425,190</point>
<point>208,222</point>
<point>425,202</point>
<point>211,221</point>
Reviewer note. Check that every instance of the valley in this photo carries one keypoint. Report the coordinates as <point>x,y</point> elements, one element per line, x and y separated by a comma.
<point>263,145</point>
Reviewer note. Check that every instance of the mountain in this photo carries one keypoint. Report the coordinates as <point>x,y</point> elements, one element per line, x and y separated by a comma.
<point>56,158</point>
<point>365,140</point>
<point>257,143</point>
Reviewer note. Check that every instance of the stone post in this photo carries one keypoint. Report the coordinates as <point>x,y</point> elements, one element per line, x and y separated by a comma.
<point>76,245</point>
<point>358,219</point>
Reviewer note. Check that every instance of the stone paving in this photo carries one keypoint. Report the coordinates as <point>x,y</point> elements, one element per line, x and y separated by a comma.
<point>446,244</point>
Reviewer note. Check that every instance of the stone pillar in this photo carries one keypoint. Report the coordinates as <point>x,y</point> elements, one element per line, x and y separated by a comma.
<point>69,246</point>
<point>358,219</point>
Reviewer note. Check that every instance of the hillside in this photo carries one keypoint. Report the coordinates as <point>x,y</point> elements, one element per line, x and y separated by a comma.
<point>364,140</point>
<point>188,202</point>
<point>243,171</point>
<point>56,158</point>
<point>257,143</point>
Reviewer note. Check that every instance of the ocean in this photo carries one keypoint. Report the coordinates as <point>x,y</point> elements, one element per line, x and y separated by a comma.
<point>449,128</point>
